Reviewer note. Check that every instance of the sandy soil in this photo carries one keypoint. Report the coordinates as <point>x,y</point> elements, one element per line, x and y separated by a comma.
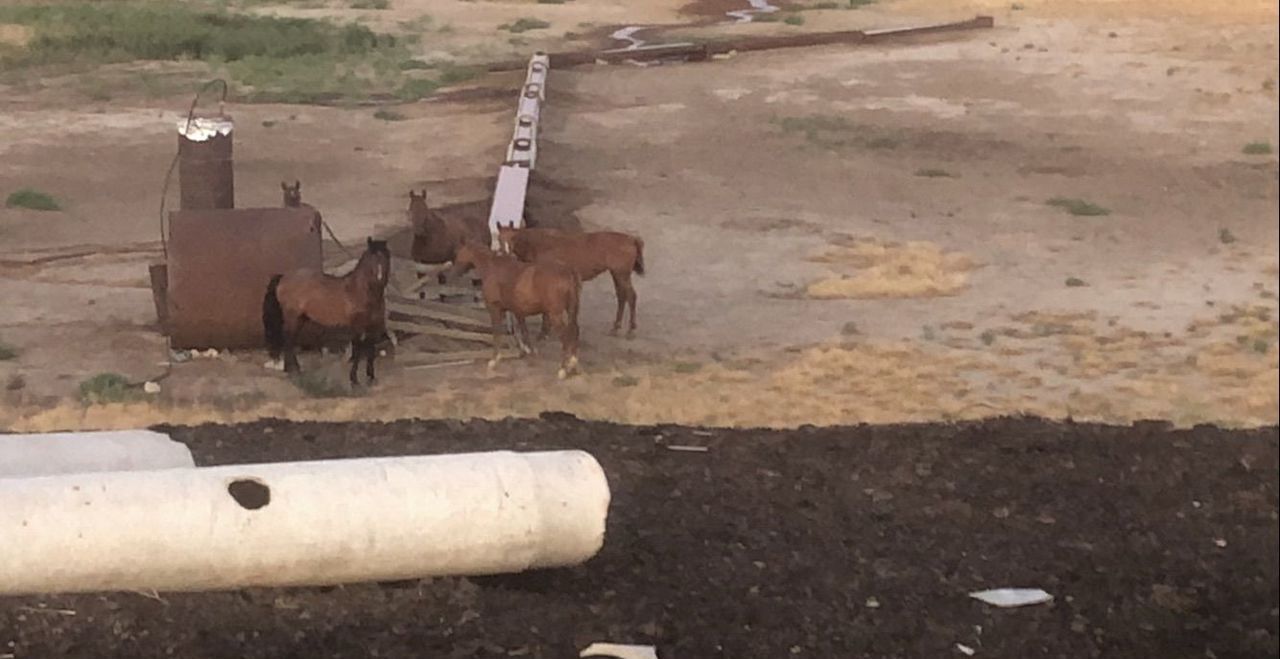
<point>757,181</point>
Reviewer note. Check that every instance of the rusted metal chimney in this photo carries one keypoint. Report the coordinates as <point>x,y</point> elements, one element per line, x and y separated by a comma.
<point>206,176</point>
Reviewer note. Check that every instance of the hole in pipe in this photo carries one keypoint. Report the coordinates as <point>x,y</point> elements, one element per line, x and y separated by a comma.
<point>249,493</point>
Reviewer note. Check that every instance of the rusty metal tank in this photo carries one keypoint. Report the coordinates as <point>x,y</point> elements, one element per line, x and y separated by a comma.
<point>206,173</point>
<point>219,264</point>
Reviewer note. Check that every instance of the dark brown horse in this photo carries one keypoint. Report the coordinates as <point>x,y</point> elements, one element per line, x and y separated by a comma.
<point>293,196</point>
<point>524,289</point>
<point>436,238</point>
<point>354,302</point>
<point>589,254</point>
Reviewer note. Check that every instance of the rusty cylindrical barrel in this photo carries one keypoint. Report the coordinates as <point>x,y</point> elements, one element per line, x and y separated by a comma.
<point>205,172</point>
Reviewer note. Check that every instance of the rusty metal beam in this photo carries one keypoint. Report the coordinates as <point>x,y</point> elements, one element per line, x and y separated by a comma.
<point>699,52</point>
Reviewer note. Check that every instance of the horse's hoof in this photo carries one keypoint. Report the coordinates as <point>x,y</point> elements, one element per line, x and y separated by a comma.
<point>562,374</point>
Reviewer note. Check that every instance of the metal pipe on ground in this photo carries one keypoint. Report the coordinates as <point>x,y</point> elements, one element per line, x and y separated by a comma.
<point>699,52</point>
<point>47,454</point>
<point>301,523</point>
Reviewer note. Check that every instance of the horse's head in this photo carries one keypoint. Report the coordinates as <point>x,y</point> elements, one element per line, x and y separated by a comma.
<point>506,235</point>
<point>469,255</point>
<point>292,194</point>
<point>376,262</point>
<point>418,211</point>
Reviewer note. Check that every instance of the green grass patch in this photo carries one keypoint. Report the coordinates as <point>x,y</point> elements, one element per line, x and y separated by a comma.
<point>1226,237</point>
<point>820,5</point>
<point>794,19</point>
<point>931,172</point>
<point>687,367</point>
<point>1078,206</point>
<point>1075,282</point>
<point>32,199</point>
<point>832,131</point>
<point>452,74</point>
<point>854,4</point>
<point>126,31</point>
<point>267,58</point>
<point>987,337</point>
<point>319,385</point>
<point>388,115</point>
<point>370,4</point>
<point>1257,149</point>
<point>524,25</point>
<point>107,388</point>
<point>625,381</point>
<point>7,352</point>
<point>551,2</point>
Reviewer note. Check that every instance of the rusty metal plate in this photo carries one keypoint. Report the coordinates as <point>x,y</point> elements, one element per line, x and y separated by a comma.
<point>219,264</point>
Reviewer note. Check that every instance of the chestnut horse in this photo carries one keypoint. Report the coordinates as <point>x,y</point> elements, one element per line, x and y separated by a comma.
<point>354,302</point>
<point>589,254</point>
<point>524,289</point>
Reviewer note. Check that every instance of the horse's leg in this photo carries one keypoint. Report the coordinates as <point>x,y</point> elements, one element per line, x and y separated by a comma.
<point>371,353</point>
<point>523,336</point>
<point>631,299</point>
<point>291,335</point>
<point>495,318</point>
<point>568,343</point>
<point>546,327</point>
<point>619,290</point>
<point>357,350</point>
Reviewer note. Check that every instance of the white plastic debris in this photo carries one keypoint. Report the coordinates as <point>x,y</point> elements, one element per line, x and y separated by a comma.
<point>687,449</point>
<point>202,129</point>
<point>620,651</point>
<point>1006,598</point>
<point>965,650</point>
<point>151,387</point>
<point>273,365</point>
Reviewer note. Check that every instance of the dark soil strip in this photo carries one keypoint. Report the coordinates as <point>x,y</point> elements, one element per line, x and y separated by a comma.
<point>839,542</point>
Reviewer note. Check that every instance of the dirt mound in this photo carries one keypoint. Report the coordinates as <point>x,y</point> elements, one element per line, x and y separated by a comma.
<point>819,542</point>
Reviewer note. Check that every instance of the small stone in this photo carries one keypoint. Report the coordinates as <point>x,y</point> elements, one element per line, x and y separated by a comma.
<point>873,603</point>
<point>151,387</point>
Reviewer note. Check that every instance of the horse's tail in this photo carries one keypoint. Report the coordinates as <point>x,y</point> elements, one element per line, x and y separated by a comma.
<point>638,267</point>
<point>273,318</point>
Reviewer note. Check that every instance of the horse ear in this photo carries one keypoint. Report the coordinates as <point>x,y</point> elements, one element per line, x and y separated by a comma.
<point>368,242</point>
<point>297,185</point>
<point>284,186</point>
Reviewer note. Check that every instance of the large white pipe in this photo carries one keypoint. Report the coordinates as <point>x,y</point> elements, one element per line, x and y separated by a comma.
<point>303,523</point>
<point>45,454</point>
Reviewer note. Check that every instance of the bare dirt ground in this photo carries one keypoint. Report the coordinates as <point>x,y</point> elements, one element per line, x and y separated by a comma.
<point>907,181</point>
<point>824,543</point>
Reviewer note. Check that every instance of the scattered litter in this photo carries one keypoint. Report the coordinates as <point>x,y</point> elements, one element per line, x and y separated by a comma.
<point>179,356</point>
<point>1220,542</point>
<point>873,603</point>
<point>703,433</point>
<point>1010,597</point>
<point>620,651</point>
<point>1195,504</point>
<point>274,365</point>
<point>965,650</point>
<point>688,449</point>
<point>151,387</point>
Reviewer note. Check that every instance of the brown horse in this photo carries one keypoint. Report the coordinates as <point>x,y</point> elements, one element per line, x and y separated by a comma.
<point>524,289</point>
<point>436,239</point>
<point>293,196</point>
<point>354,302</point>
<point>589,254</point>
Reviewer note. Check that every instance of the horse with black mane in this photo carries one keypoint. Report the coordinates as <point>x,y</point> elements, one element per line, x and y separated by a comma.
<point>354,302</point>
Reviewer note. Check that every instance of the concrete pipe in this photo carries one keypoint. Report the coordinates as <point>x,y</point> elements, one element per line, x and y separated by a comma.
<point>302,523</point>
<point>46,454</point>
